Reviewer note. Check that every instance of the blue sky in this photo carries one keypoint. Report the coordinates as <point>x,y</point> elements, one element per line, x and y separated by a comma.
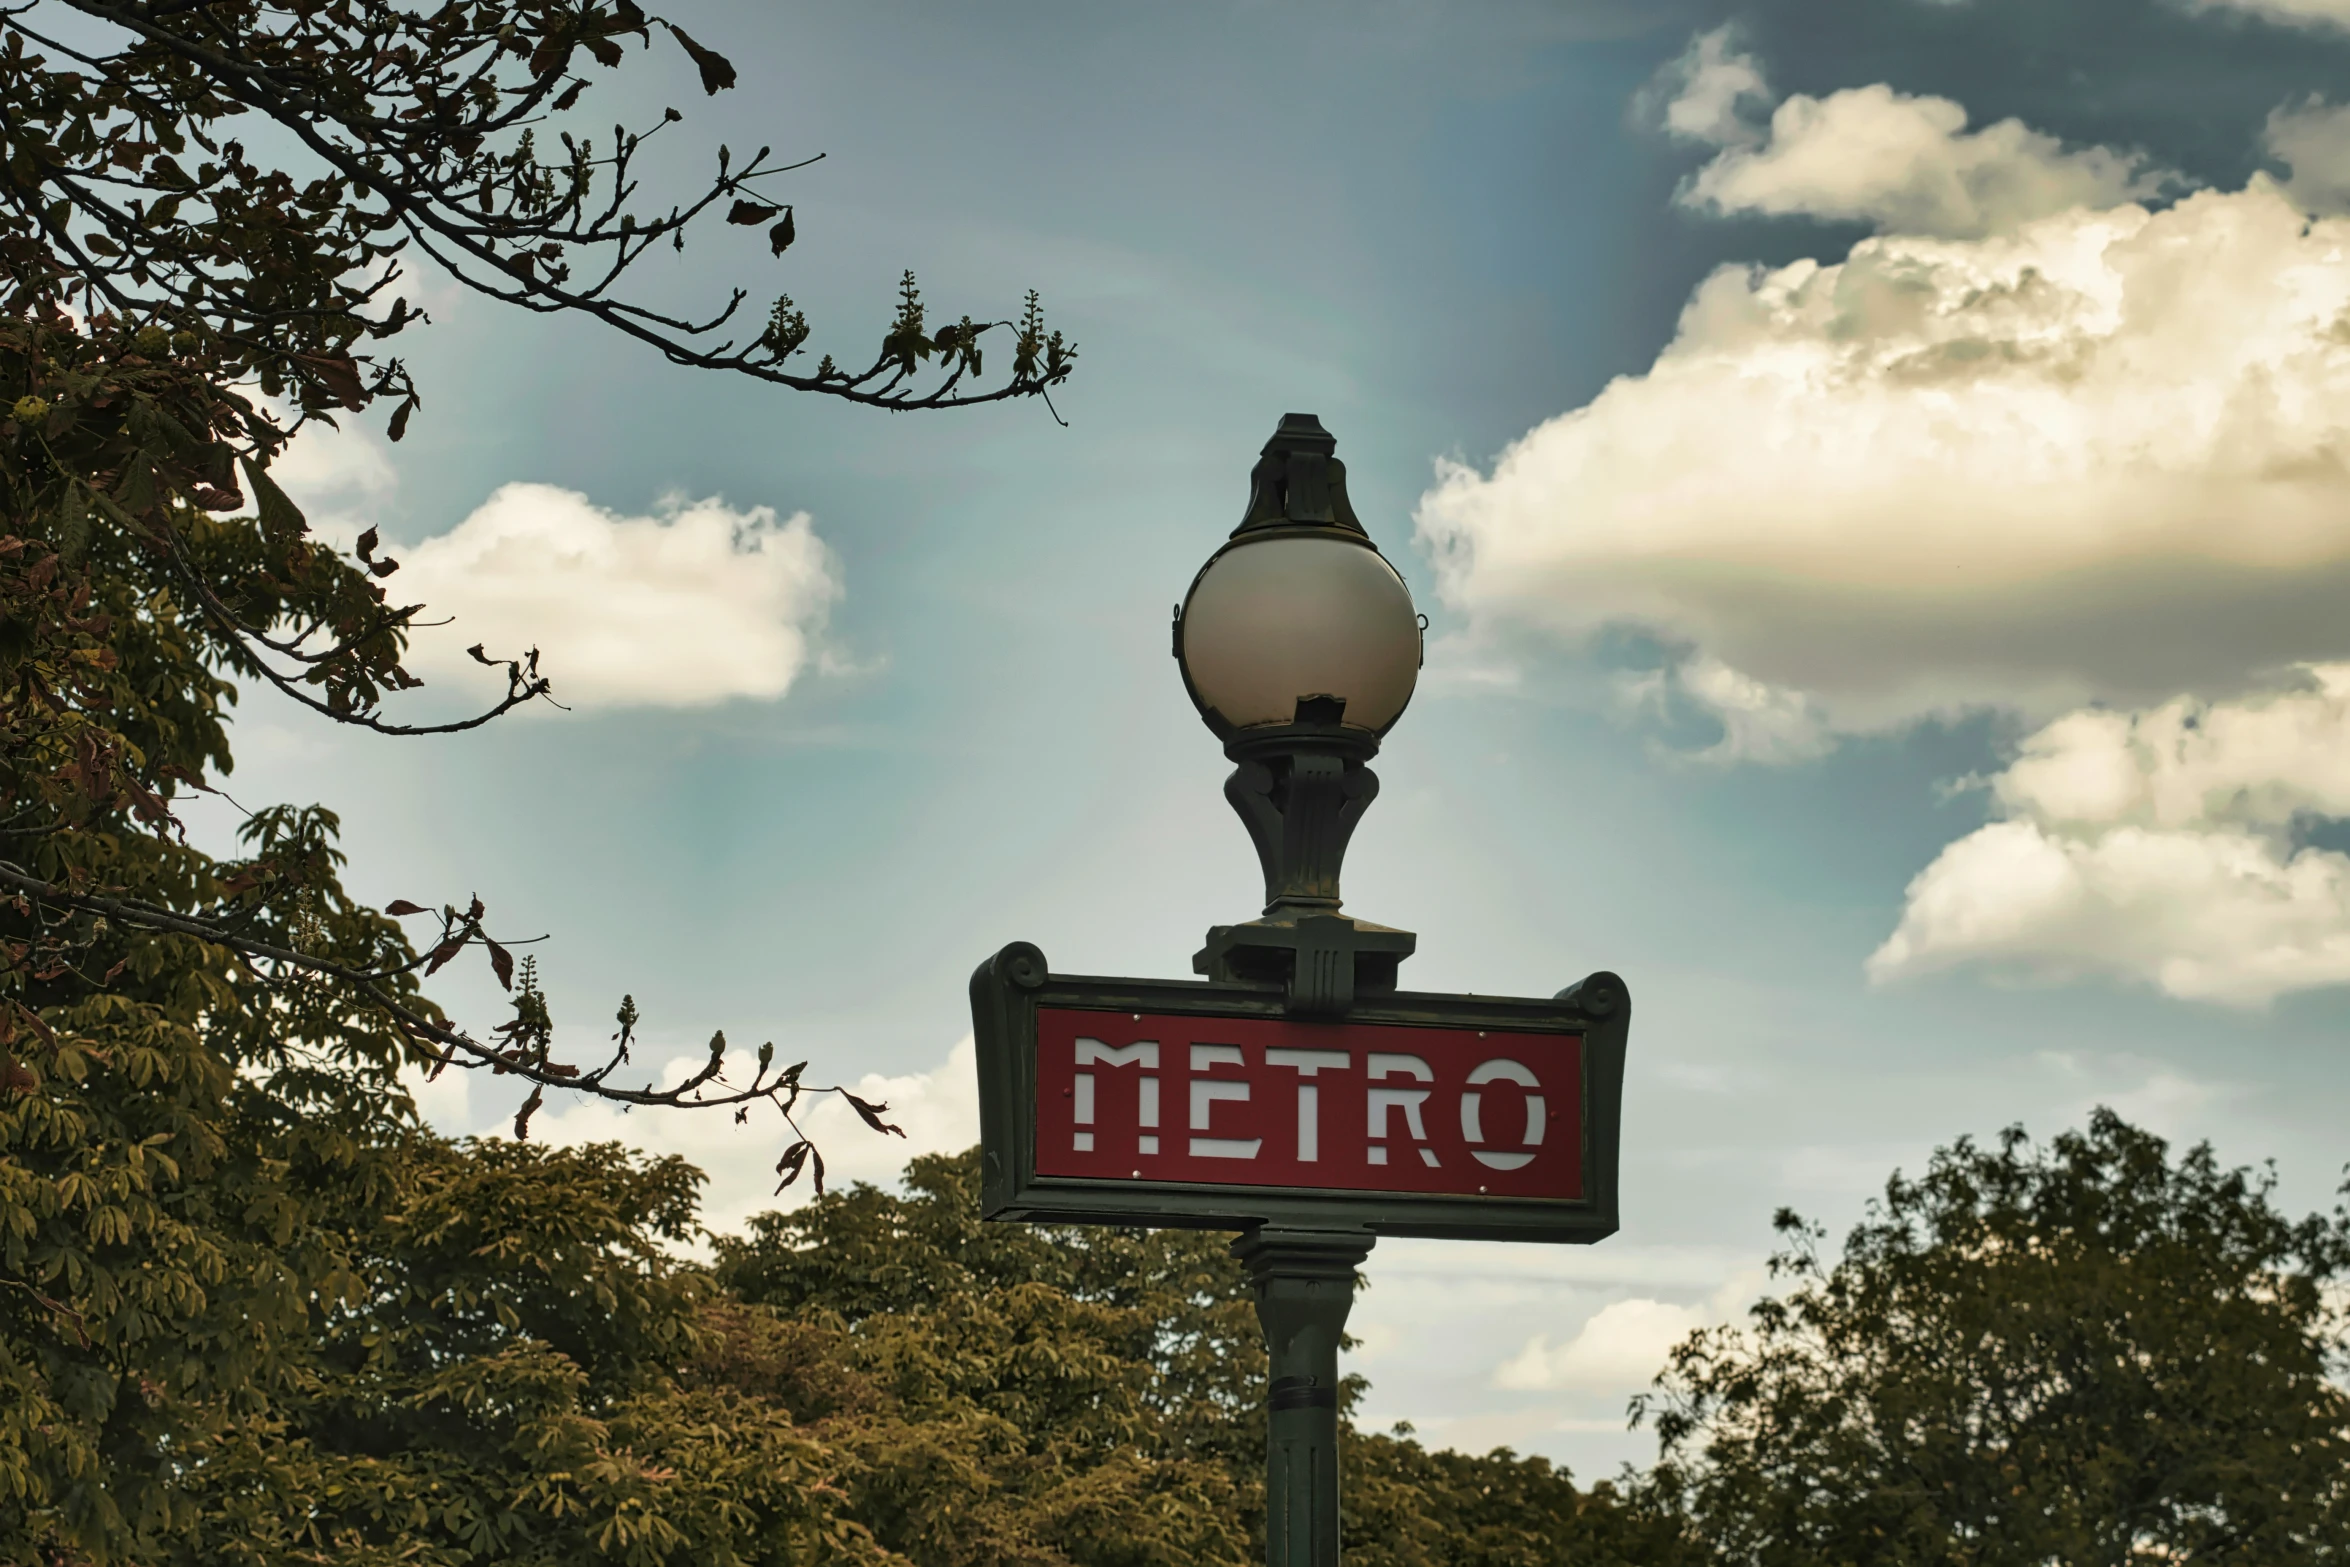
<point>1777,615</point>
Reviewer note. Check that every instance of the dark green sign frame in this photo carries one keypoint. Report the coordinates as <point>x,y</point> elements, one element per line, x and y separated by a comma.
<point>1010,988</point>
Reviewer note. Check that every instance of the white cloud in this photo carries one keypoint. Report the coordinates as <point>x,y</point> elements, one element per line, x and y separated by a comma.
<point>1621,1349</point>
<point>2105,456</point>
<point>695,604</point>
<point>2064,455</point>
<point>1901,163</point>
<point>337,474</point>
<point>1760,722</point>
<point>2292,13</point>
<point>1909,165</point>
<point>326,463</point>
<point>1707,93</point>
<point>1622,1346</point>
<point>2312,139</point>
<point>2148,1093</point>
<point>2158,846</point>
<point>939,1110</point>
<point>1441,1318</point>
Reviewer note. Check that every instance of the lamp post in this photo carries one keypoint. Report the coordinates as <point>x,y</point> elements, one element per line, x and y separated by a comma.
<point>1297,1095</point>
<point>1300,647</point>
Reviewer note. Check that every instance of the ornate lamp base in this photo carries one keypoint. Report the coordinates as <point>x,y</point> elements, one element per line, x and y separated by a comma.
<point>1299,789</point>
<point>1323,960</point>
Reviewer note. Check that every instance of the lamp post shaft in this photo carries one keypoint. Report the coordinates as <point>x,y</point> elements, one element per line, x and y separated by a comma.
<point>1305,1285</point>
<point>1299,791</point>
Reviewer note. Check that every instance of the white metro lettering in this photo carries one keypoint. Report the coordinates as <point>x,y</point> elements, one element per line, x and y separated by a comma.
<point>1207,1092</point>
<point>1309,1097</point>
<point>1143,1053</point>
<point>1408,1100</point>
<point>1500,1070</point>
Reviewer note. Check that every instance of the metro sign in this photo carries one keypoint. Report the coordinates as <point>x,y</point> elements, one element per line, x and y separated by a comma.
<point>1130,1101</point>
<point>1331,1107</point>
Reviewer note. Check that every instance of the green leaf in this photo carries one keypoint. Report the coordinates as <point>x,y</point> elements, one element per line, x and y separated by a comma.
<point>279,516</point>
<point>73,523</point>
<point>136,488</point>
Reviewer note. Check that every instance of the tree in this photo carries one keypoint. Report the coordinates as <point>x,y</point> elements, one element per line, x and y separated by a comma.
<point>1031,1396</point>
<point>1411,1506</point>
<point>510,1363</point>
<point>1090,1395</point>
<point>388,129</point>
<point>200,1058</point>
<point>515,1369</point>
<point>2080,1353</point>
<point>144,296</point>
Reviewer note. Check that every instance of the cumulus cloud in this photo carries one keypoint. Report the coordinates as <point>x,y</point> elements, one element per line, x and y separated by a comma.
<point>692,605</point>
<point>2100,457</point>
<point>2166,846</point>
<point>2312,139</point>
<point>1909,165</point>
<point>1759,722</point>
<point>325,464</point>
<point>1711,93</point>
<point>337,475</point>
<point>2149,1093</point>
<point>2292,13</point>
<point>2038,446</point>
<point>1901,163</point>
<point>1620,1350</point>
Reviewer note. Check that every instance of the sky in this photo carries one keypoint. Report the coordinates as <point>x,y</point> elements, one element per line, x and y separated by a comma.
<point>1875,472</point>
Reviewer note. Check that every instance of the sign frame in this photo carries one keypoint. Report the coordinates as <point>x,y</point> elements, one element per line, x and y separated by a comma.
<point>1009,990</point>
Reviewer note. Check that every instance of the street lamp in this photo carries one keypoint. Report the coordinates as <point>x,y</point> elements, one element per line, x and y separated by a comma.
<point>1300,647</point>
<point>1299,1096</point>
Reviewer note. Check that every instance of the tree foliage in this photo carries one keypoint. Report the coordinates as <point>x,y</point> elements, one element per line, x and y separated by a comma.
<point>1095,1396</point>
<point>494,1354</point>
<point>204,213</point>
<point>1408,1505</point>
<point>170,1112</point>
<point>2083,1353</point>
<point>516,1370</point>
<point>194,1052</point>
<point>1033,1395</point>
<point>251,176</point>
<point>176,302</point>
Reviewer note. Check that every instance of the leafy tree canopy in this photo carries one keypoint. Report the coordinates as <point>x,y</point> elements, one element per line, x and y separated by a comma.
<point>204,214</point>
<point>1094,1396</point>
<point>247,178</point>
<point>2083,1352</point>
<point>513,1368</point>
<point>510,1364</point>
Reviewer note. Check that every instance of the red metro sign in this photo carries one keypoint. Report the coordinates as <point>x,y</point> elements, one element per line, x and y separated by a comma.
<point>1173,1102</point>
<point>1359,1107</point>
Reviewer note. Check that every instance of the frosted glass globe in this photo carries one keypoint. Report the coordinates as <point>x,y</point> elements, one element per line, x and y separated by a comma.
<point>1298,615</point>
